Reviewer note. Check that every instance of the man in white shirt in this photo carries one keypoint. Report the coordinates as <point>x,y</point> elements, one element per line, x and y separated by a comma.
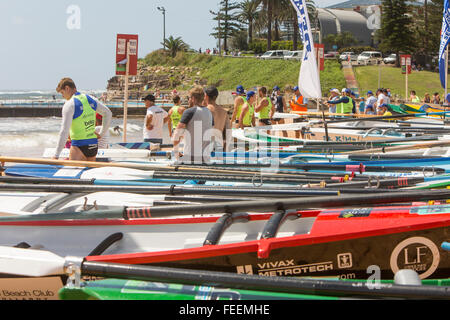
<point>371,100</point>
<point>154,121</point>
<point>78,122</point>
<point>381,99</point>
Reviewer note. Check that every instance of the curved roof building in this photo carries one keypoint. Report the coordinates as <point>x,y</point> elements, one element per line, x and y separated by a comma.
<point>334,21</point>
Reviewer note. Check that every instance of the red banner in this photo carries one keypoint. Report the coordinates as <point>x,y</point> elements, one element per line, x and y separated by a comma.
<point>126,42</point>
<point>320,55</point>
<point>405,62</point>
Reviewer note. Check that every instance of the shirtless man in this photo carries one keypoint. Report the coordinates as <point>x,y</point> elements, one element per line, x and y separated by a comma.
<point>78,122</point>
<point>222,123</point>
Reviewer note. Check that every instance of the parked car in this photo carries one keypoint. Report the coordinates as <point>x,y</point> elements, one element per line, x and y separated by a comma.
<point>370,57</point>
<point>273,54</point>
<point>344,56</point>
<point>331,54</point>
<point>294,55</point>
<point>390,59</point>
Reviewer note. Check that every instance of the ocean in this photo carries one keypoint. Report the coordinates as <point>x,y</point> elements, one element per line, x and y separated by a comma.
<point>29,137</point>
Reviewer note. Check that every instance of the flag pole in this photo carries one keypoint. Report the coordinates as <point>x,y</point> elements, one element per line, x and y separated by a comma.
<point>125,104</point>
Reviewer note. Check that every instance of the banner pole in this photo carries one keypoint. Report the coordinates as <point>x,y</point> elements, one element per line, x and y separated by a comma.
<point>125,104</point>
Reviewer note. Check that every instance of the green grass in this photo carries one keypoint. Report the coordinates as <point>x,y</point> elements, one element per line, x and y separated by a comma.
<point>391,77</point>
<point>227,73</point>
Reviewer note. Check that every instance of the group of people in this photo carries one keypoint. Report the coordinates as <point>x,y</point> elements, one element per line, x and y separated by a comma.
<point>346,102</point>
<point>204,125</point>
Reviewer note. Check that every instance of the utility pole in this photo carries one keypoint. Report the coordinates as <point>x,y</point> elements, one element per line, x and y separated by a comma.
<point>163,10</point>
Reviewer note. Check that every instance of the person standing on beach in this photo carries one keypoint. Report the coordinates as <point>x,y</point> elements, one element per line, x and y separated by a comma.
<point>103,141</point>
<point>239,101</point>
<point>265,108</point>
<point>78,122</point>
<point>175,113</point>
<point>195,125</point>
<point>280,106</point>
<point>247,113</point>
<point>222,124</point>
<point>155,119</point>
<point>296,102</point>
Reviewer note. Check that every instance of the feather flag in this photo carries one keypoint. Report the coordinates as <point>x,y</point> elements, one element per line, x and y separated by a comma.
<point>309,80</point>
<point>445,37</point>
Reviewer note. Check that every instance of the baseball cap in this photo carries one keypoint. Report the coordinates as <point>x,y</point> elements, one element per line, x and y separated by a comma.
<point>296,88</point>
<point>335,91</point>
<point>447,97</point>
<point>250,94</point>
<point>240,90</point>
<point>150,97</point>
<point>211,91</point>
<point>369,92</point>
<point>384,105</point>
<point>98,116</point>
<point>276,88</point>
<point>344,90</point>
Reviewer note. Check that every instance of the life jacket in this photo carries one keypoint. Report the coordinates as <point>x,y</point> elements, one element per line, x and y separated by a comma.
<point>82,130</point>
<point>265,112</point>
<point>345,107</point>
<point>247,120</point>
<point>239,108</point>
<point>175,117</point>
<point>297,104</point>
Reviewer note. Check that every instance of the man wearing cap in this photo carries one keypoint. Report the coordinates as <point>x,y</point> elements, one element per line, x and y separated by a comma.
<point>381,99</point>
<point>371,101</point>
<point>239,101</point>
<point>222,124</point>
<point>247,114</point>
<point>296,102</point>
<point>78,122</point>
<point>384,111</point>
<point>344,104</point>
<point>155,119</point>
<point>334,95</point>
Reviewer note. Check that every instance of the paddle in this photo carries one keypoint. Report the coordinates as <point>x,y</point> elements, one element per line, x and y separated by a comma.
<point>263,205</point>
<point>397,116</point>
<point>39,263</point>
<point>442,143</point>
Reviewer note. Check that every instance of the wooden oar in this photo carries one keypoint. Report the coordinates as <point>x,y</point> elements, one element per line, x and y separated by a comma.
<point>40,263</point>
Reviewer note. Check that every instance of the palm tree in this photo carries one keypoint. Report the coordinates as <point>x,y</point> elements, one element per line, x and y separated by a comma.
<point>174,45</point>
<point>249,14</point>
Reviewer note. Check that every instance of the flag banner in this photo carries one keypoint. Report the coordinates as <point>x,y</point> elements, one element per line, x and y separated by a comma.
<point>445,37</point>
<point>309,80</point>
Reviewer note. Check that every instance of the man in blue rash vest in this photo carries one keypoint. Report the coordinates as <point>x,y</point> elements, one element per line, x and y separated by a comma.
<point>78,121</point>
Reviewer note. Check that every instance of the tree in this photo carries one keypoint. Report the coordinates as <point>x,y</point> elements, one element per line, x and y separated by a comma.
<point>249,13</point>
<point>228,21</point>
<point>174,45</point>
<point>344,39</point>
<point>395,33</point>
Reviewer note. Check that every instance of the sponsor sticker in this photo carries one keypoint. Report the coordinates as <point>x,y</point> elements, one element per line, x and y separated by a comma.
<point>355,213</point>
<point>417,253</point>
<point>437,209</point>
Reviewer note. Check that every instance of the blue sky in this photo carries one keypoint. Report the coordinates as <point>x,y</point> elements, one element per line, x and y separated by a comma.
<point>38,49</point>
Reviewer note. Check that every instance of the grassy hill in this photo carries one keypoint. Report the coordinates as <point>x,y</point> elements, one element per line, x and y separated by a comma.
<point>226,72</point>
<point>391,77</point>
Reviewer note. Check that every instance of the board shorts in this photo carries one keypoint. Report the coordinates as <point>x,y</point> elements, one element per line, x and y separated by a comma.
<point>267,122</point>
<point>89,151</point>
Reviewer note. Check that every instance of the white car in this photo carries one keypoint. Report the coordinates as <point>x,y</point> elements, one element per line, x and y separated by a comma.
<point>273,54</point>
<point>294,55</point>
<point>344,56</point>
<point>370,57</point>
<point>390,59</point>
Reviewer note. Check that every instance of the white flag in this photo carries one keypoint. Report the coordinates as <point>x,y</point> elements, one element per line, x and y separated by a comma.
<point>309,80</point>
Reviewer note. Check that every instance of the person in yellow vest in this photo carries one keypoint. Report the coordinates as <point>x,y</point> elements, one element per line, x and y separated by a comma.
<point>344,105</point>
<point>265,108</point>
<point>239,101</point>
<point>78,122</point>
<point>296,102</point>
<point>175,113</point>
<point>247,112</point>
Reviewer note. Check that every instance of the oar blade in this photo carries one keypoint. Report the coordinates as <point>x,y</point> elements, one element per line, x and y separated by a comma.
<point>30,263</point>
